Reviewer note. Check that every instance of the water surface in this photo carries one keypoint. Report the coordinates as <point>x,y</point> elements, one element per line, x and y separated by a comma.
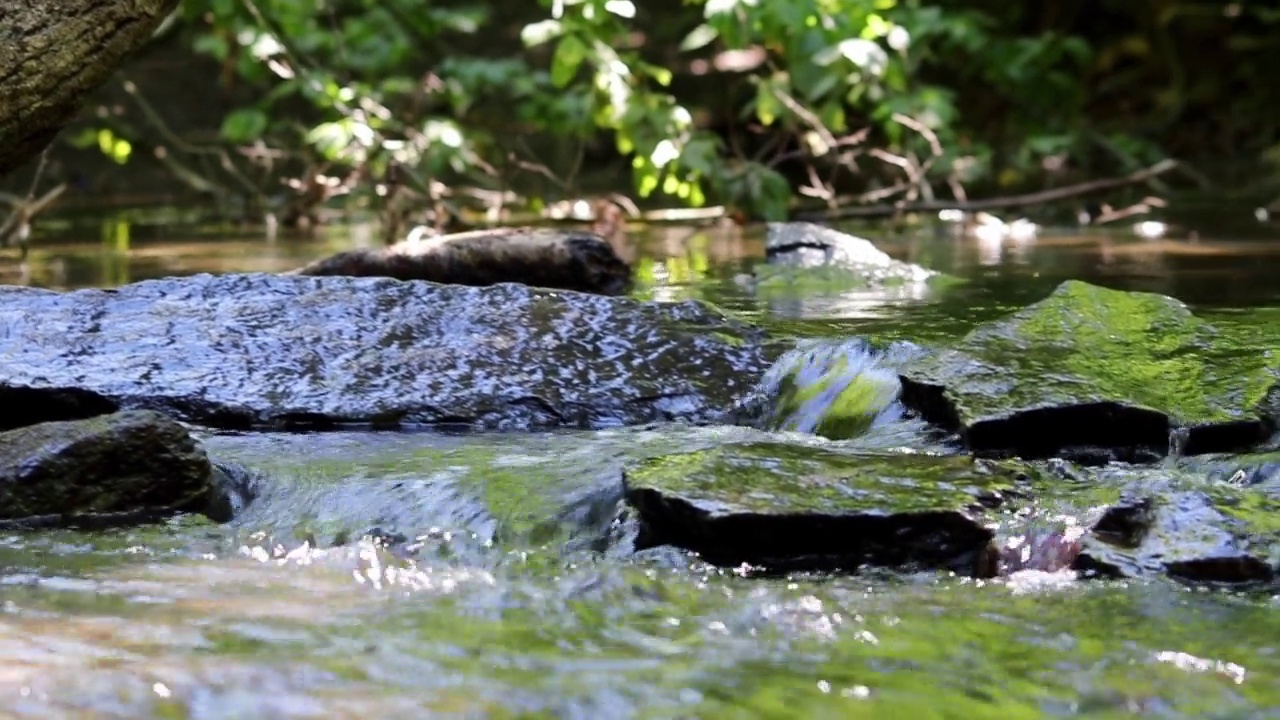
<point>514,593</point>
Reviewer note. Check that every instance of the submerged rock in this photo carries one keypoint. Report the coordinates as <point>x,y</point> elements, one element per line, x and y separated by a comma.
<point>787,507</point>
<point>813,255</point>
<point>549,258</point>
<point>124,467</point>
<point>1096,373</point>
<point>236,351</point>
<point>1189,535</point>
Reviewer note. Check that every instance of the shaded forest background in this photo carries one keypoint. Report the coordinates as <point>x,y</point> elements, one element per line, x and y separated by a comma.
<point>420,111</point>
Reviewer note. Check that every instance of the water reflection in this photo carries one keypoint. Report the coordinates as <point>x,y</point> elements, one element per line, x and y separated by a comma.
<point>678,262</point>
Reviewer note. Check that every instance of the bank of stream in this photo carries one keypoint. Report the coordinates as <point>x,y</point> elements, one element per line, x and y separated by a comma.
<point>519,596</point>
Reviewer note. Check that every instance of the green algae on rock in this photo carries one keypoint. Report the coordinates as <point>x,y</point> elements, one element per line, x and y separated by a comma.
<point>124,467</point>
<point>1090,369</point>
<point>788,507</point>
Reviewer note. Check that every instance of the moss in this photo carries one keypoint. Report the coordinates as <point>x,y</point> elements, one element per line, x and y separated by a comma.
<point>778,479</point>
<point>1130,356</point>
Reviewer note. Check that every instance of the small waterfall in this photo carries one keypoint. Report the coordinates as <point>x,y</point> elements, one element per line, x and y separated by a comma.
<point>1178,438</point>
<point>839,389</point>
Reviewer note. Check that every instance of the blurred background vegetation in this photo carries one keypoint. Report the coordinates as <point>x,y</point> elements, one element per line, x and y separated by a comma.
<point>419,111</point>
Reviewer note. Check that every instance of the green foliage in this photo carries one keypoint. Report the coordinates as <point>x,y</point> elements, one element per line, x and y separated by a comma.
<point>946,93</point>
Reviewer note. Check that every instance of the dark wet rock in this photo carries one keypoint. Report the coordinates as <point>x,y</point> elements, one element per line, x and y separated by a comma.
<point>1190,535</point>
<point>1098,374</point>
<point>124,467</point>
<point>1255,470</point>
<point>22,406</point>
<point>787,507</point>
<point>824,256</point>
<point>550,258</point>
<point>1043,551</point>
<point>237,351</point>
<point>236,487</point>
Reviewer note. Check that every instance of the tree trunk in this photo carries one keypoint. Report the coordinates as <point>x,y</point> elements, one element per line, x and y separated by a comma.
<point>53,54</point>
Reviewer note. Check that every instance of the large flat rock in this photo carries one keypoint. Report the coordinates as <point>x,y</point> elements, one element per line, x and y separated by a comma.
<point>788,507</point>
<point>259,350</point>
<point>1099,371</point>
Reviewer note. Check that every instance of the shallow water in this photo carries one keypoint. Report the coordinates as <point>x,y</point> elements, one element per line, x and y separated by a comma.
<point>515,594</point>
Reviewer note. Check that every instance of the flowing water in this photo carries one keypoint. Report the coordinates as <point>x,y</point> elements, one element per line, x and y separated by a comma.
<point>516,595</point>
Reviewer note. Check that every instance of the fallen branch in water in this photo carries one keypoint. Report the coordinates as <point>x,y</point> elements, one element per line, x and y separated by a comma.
<point>1109,214</point>
<point>998,203</point>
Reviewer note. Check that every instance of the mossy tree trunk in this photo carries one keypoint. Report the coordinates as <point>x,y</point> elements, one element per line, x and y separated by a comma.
<point>53,54</point>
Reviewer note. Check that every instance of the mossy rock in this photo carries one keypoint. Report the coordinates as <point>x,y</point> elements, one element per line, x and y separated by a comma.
<point>787,507</point>
<point>1094,371</point>
<point>123,467</point>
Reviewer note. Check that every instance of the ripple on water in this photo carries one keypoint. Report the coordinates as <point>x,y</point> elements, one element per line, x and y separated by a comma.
<point>500,611</point>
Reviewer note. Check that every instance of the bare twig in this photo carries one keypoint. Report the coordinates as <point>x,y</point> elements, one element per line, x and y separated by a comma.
<point>817,188</point>
<point>25,210</point>
<point>224,160</point>
<point>935,146</point>
<point>912,169</point>
<point>1035,198</point>
<point>1110,214</point>
<point>849,140</point>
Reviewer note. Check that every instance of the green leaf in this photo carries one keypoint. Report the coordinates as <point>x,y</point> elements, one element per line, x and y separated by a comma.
<point>621,8</point>
<point>768,107</point>
<point>213,45</point>
<point>724,7</point>
<point>700,36</point>
<point>540,32</point>
<point>568,58</point>
<point>88,137</point>
<point>331,138</point>
<point>244,125</point>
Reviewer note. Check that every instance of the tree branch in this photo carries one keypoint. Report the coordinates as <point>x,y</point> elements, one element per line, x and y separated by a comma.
<point>998,203</point>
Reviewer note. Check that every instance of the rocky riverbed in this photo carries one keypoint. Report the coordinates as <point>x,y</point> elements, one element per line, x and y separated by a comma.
<point>494,499</point>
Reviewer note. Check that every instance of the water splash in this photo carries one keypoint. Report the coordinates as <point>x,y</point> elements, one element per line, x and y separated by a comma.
<point>1178,438</point>
<point>839,389</point>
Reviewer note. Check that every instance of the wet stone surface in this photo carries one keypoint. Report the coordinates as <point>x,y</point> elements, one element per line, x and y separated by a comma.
<point>124,467</point>
<point>255,350</point>
<point>540,257</point>
<point>1098,374</point>
<point>815,256</point>
<point>786,507</point>
<point>1190,535</point>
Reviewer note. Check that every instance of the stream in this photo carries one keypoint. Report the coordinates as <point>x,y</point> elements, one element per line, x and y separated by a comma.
<point>523,598</point>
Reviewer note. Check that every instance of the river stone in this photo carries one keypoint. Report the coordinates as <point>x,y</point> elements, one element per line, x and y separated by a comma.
<point>787,507</point>
<point>813,255</point>
<point>124,467</point>
<point>1192,535</point>
<point>1090,372</point>
<point>259,350</point>
<point>542,257</point>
